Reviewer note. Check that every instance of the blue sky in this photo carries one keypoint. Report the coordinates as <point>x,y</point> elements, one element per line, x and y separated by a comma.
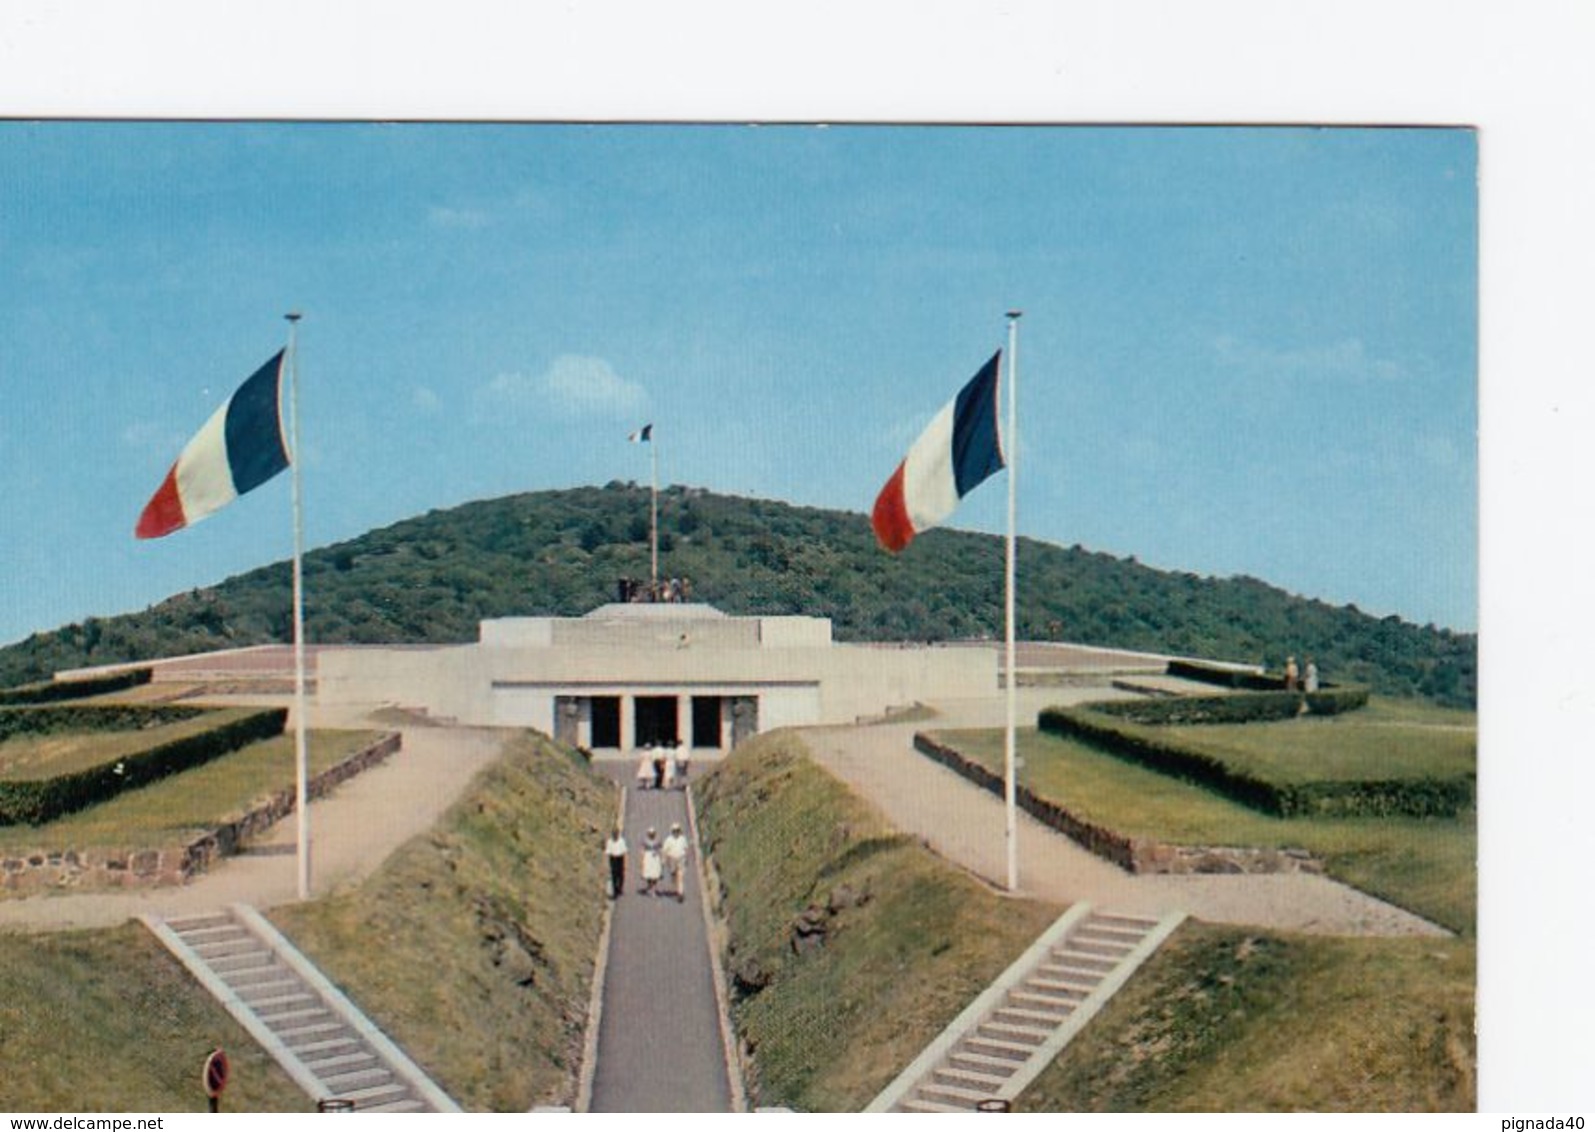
<point>1245,351</point>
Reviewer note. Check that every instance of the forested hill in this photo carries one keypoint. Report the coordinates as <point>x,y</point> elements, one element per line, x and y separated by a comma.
<point>432,578</point>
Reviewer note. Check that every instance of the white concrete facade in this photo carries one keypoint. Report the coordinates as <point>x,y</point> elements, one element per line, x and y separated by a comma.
<point>625,675</point>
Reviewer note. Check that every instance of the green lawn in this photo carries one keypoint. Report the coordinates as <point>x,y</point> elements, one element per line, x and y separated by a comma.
<point>30,758</point>
<point>1389,739</point>
<point>183,805</point>
<point>1427,865</point>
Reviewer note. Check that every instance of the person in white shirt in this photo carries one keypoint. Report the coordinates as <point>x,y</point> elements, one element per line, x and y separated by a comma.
<point>615,850</point>
<point>675,854</point>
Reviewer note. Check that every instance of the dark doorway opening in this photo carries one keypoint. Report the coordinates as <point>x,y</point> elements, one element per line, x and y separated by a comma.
<point>706,722</point>
<point>606,721</point>
<point>656,721</point>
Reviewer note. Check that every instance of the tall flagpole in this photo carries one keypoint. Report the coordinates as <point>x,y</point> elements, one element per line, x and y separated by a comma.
<point>653,525</point>
<point>1010,446</point>
<point>301,758</point>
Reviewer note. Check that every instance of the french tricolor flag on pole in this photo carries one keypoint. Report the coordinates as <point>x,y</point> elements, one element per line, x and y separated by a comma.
<point>960,448</point>
<point>241,447</point>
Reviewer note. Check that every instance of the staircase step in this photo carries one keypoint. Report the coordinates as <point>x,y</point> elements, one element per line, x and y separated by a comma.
<point>1070,988</point>
<point>340,1083</point>
<point>222,949</point>
<point>327,1045</point>
<point>1008,1031</point>
<point>248,977</point>
<point>967,1079</point>
<point>248,961</point>
<point>211,934</point>
<point>1044,1020</point>
<point>1057,1005</point>
<point>920,1104</point>
<point>264,990</point>
<point>381,1094</point>
<point>338,1061</point>
<point>1015,1052</point>
<point>181,924</point>
<point>408,1104</point>
<point>293,1015</point>
<point>1099,950</point>
<point>952,1094</point>
<point>313,1030</point>
<point>1101,933</point>
<point>985,1063</point>
<point>265,1006</point>
<point>1128,920</point>
<point>1070,959</point>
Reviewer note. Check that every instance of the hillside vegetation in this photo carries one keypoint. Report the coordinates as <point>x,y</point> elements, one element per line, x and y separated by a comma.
<point>432,578</point>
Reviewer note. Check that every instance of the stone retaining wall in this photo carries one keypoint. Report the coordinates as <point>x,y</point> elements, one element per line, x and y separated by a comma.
<point>1134,854</point>
<point>175,864</point>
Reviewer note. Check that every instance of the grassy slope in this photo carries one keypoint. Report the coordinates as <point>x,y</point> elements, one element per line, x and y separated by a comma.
<point>474,945</point>
<point>835,1025</point>
<point>1224,1020</point>
<point>107,1021</point>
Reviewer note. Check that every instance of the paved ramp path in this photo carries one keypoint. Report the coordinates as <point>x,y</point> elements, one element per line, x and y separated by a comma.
<point>966,825</point>
<point>352,831</point>
<point>660,1047</point>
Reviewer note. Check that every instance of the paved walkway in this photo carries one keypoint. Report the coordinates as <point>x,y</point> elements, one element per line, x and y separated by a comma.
<point>966,825</point>
<point>660,1047</point>
<point>352,831</point>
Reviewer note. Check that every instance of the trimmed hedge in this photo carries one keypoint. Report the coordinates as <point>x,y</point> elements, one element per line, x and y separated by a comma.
<point>1224,677</point>
<point>1252,707</point>
<point>51,691</point>
<point>35,803</point>
<point>52,719</point>
<point>1416,797</point>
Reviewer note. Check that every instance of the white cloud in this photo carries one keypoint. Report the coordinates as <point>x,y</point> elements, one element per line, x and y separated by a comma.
<point>1346,360</point>
<point>573,384</point>
<point>425,400</point>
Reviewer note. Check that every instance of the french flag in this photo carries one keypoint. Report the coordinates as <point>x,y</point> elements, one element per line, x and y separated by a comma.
<point>960,448</point>
<point>241,447</point>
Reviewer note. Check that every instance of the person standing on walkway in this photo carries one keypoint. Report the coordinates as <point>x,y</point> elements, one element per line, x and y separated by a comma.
<point>1310,683</point>
<point>615,850</point>
<point>675,853</point>
<point>652,866</point>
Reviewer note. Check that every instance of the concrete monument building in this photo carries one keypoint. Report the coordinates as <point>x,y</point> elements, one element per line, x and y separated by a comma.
<point>627,675</point>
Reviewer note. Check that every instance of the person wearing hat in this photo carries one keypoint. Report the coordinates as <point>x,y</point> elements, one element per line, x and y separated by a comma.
<point>652,866</point>
<point>675,851</point>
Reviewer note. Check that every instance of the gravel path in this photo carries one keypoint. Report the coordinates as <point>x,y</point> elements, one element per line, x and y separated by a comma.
<point>966,825</point>
<point>352,831</point>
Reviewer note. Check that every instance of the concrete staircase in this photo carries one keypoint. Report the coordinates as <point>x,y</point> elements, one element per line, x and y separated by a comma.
<point>989,1054</point>
<point>318,1036</point>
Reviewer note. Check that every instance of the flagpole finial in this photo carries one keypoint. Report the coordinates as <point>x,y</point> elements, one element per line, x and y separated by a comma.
<point>293,316</point>
<point>1015,314</point>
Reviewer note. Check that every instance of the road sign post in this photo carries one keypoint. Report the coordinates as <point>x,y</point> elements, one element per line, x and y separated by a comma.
<point>217,1070</point>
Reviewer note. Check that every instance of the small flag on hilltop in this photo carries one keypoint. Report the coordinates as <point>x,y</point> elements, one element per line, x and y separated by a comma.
<point>959,449</point>
<point>643,435</point>
<point>241,447</point>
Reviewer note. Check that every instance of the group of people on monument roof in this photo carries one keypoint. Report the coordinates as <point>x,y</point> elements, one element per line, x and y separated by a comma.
<point>634,590</point>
